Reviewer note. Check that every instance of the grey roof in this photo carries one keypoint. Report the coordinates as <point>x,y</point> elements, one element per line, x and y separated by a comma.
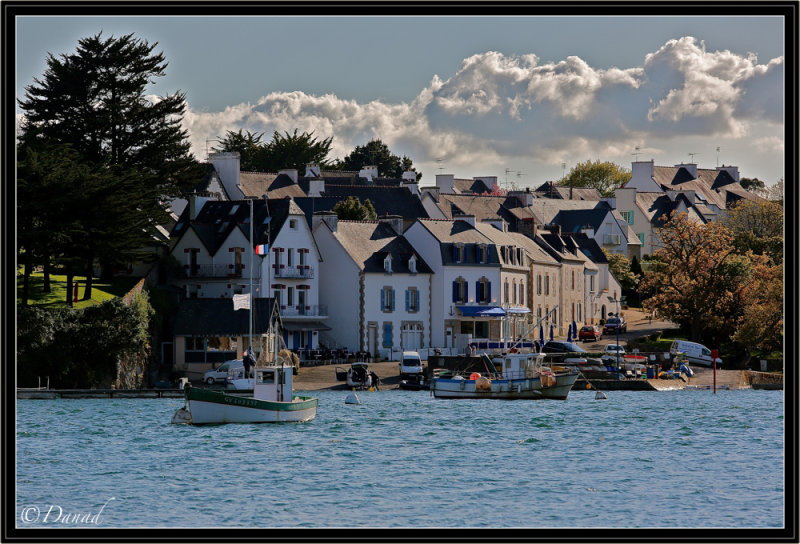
<point>215,317</point>
<point>575,220</point>
<point>474,186</point>
<point>536,253</point>
<point>369,242</point>
<point>588,247</point>
<point>386,200</point>
<point>545,210</point>
<point>561,192</point>
<point>657,207</point>
<point>217,218</point>
<point>558,247</point>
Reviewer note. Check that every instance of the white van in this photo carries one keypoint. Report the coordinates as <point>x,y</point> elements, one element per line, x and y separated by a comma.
<point>221,372</point>
<point>411,365</point>
<point>696,353</point>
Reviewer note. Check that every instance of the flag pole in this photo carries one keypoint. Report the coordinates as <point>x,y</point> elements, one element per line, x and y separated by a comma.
<point>252,249</point>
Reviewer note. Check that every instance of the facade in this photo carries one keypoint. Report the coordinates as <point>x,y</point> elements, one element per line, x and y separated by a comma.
<point>377,287</point>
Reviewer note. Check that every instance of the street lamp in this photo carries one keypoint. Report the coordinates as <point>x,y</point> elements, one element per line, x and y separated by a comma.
<point>619,322</point>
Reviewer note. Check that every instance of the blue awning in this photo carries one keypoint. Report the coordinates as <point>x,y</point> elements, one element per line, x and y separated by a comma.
<point>481,311</point>
<point>518,310</point>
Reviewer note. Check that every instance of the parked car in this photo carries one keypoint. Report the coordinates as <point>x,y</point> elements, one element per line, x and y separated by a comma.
<point>590,332</point>
<point>221,372</point>
<point>411,365</point>
<point>696,353</point>
<point>615,323</point>
<point>556,346</point>
<point>613,349</point>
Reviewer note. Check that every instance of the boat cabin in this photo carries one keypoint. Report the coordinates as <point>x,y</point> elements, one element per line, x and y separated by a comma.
<point>273,383</point>
<point>515,366</point>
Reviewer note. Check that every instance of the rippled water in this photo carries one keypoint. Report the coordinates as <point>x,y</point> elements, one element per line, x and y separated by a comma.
<point>404,459</point>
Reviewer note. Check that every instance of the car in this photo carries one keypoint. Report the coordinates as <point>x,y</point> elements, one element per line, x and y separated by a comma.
<point>614,323</point>
<point>411,365</point>
<point>694,352</point>
<point>556,346</point>
<point>613,349</point>
<point>590,332</point>
<point>221,372</point>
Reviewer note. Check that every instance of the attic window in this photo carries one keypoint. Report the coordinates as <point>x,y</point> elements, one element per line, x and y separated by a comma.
<point>412,264</point>
<point>223,226</point>
<point>233,209</point>
<point>178,227</point>
<point>387,264</point>
<point>293,224</point>
<point>701,197</point>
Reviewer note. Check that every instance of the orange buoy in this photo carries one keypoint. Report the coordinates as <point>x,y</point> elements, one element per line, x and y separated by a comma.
<point>588,386</point>
<point>474,376</point>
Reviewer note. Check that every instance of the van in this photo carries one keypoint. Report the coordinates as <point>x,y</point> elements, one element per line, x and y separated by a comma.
<point>411,365</point>
<point>220,373</point>
<point>696,353</point>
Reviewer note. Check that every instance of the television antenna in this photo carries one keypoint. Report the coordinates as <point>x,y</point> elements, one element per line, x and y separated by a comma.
<point>440,162</point>
<point>563,170</point>
<point>692,156</point>
<point>717,155</point>
<point>507,171</point>
<point>636,153</point>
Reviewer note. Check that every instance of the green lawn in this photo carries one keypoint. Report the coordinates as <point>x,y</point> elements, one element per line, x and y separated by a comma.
<point>101,291</point>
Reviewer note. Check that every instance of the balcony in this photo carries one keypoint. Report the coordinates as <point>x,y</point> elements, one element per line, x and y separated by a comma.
<point>219,271</point>
<point>299,271</point>
<point>611,239</point>
<point>315,310</point>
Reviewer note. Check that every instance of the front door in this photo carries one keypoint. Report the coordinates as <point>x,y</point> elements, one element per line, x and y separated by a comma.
<point>372,340</point>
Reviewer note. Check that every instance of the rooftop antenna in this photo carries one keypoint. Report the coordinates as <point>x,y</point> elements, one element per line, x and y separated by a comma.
<point>636,153</point>
<point>519,175</point>
<point>692,156</point>
<point>440,161</point>
<point>507,171</point>
<point>563,170</point>
<point>717,156</point>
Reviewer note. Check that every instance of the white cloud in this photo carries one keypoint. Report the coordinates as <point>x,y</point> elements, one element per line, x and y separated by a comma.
<point>496,109</point>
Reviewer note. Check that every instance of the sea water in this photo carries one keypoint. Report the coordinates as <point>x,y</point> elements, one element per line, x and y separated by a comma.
<point>405,459</point>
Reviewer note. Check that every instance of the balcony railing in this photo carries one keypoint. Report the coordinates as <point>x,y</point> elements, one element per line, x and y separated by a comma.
<point>219,271</point>
<point>298,271</point>
<point>611,239</point>
<point>314,310</point>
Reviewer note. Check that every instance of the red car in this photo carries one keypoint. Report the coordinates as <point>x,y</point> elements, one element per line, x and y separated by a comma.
<point>590,332</point>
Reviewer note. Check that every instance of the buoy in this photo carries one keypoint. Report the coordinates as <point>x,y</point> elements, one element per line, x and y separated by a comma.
<point>600,395</point>
<point>588,386</point>
<point>352,398</point>
<point>474,375</point>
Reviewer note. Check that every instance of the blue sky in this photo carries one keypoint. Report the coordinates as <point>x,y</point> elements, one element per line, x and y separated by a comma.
<point>472,96</point>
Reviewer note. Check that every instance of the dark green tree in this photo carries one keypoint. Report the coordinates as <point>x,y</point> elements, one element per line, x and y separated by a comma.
<point>352,209</point>
<point>94,100</point>
<point>252,152</point>
<point>605,176</point>
<point>754,185</point>
<point>283,151</point>
<point>377,153</point>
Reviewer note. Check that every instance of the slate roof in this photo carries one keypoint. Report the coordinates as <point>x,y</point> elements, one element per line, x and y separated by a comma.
<point>717,186</point>
<point>575,220</point>
<point>369,242</point>
<point>589,247</point>
<point>562,192</point>
<point>217,218</point>
<point>475,186</point>
<point>215,317</point>
<point>657,207</point>
<point>545,210</point>
<point>558,247</point>
<point>534,250</point>
<point>386,200</point>
<point>256,184</point>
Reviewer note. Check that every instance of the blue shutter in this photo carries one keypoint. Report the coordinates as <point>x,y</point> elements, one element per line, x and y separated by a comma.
<point>455,253</point>
<point>387,335</point>
<point>477,253</point>
<point>383,300</point>
<point>466,291</point>
<point>488,291</point>
<point>392,299</point>
<point>408,297</point>
<point>455,291</point>
<point>478,291</point>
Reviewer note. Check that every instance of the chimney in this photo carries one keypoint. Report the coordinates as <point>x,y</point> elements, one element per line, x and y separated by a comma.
<point>312,171</point>
<point>394,221</point>
<point>489,181</point>
<point>316,187</point>
<point>410,181</point>
<point>551,189</point>
<point>410,176</point>
<point>192,206</point>
<point>732,170</point>
<point>291,172</point>
<point>691,168</point>
<point>370,173</point>
<point>227,166</point>
<point>497,223</point>
<point>525,197</point>
<point>642,170</point>
<point>446,183</point>
<point>466,218</point>
<point>327,217</point>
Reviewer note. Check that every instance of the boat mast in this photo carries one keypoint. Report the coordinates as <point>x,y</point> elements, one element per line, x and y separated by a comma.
<point>252,249</point>
<point>533,327</point>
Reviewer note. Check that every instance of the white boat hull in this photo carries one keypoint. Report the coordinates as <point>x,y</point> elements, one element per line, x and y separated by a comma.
<point>529,388</point>
<point>211,407</point>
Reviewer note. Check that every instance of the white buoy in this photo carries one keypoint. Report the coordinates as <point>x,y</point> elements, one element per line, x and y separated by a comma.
<point>600,395</point>
<point>352,398</point>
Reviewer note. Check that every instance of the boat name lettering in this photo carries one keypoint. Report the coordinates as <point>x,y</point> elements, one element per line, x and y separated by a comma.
<point>240,402</point>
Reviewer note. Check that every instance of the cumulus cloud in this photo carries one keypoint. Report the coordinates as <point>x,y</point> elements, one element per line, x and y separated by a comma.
<point>498,106</point>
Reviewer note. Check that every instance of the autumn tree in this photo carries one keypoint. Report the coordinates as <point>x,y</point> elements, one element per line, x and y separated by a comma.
<point>757,226</point>
<point>352,209</point>
<point>620,268</point>
<point>695,278</point>
<point>604,176</point>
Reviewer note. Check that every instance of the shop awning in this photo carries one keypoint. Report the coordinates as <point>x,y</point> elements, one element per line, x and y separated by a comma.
<point>481,311</point>
<point>305,326</point>
<point>518,310</point>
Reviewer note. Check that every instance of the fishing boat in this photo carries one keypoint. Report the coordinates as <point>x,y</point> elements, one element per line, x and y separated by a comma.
<point>272,400</point>
<point>511,375</point>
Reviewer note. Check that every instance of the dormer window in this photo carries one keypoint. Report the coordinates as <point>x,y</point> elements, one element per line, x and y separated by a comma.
<point>459,251</point>
<point>387,264</point>
<point>412,264</point>
<point>293,224</point>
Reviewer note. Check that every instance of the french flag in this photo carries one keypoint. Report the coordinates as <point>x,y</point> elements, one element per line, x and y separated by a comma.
<point>261,249</point>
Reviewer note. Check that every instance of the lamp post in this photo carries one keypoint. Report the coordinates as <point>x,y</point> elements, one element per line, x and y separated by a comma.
<point>617,301</point>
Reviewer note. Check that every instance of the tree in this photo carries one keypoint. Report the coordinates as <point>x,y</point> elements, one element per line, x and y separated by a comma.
<point>352,209</point>
<point>620,268</point>
<point>94,101</point>
<point>283,151</point>
<point>376,153</point>
<point>695,277</point>
<point>248,146</point>
<point>754,185</point>
<point>605,176</point>
<point>761,323</point>
<point>757,226</point>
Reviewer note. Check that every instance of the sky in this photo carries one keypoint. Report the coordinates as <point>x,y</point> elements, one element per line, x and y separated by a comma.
<point>523,98</point>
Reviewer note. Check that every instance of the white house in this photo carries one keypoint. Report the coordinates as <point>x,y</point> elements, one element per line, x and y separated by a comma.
<point>376,287</point>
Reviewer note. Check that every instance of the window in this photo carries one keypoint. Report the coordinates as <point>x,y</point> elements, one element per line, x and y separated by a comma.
<point>573,280</point>
<point>301,257</point>
<point>412,265</point>
<point>290,296</point>
<point>195,343</point>
<point>591,284</point>
<point>539,312</point>
<point>277,295</point>
<point>514,291</point>
<point>387,264</point>
<point>412,300</point>
<point>293,224</point>
<point>459,251</point>
<point>483,291</point>
<point>481,329</point>
<point>290,257</point>
<point>539,283</point>
<point>627,216</point>
<point>505,292</point>
<point>522,293</point>
<point>579,311</point>
<point>546,284</point>
<point>387,334</point>
<point>460,290</point>
<point>387,299</point>
<point>641,237</point>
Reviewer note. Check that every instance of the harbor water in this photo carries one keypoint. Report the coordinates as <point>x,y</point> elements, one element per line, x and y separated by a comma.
<point>404,459</point>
